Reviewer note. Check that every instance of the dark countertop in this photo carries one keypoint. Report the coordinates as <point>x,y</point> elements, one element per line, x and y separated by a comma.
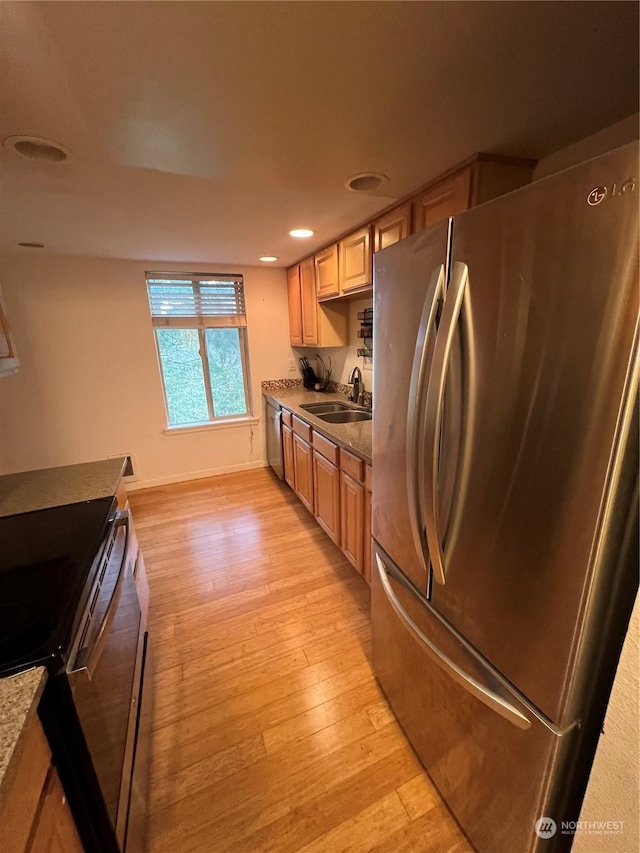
<point>354,437</point>
<point>47,487</point>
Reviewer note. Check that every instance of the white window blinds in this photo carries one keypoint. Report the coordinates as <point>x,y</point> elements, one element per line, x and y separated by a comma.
<point>196,299</point>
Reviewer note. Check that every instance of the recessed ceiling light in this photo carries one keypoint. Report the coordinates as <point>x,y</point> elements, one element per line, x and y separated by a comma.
<point>32,245</point>
<point>268,259</point>
<point>35,148</point>
<point>366,182</point>
<point>302,232</point>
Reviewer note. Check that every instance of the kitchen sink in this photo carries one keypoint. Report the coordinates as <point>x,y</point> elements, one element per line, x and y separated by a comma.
<point>323,408</point>
<point>344,417</point>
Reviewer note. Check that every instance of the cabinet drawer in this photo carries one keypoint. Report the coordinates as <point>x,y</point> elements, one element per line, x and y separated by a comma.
<point>286,417</point>
<point>301,428</point>
<point>368,476</point>
<point>328,449</point>
<point>351,464</point>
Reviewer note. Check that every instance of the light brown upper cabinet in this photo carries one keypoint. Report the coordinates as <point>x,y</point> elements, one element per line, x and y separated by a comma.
<point>308,301</point>
<point>344,270</point>
<point>311,324</point>
<point>295,306</point>
<point>480,179</point>
<point>326,263</point>
<point>392,227</point>
<point>355,261</point>
<point>448,198</point>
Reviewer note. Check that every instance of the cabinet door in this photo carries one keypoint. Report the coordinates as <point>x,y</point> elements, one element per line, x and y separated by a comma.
<point>391,228</point>
<point>295,306</point>
<point>54,830</point>
<point>366,557</point>
<point>351,519</point>
<point>304,471</point>
<point>448,198</point>
<point>287,452</point>
<point>326,495</point>
<point>309,303</point>
<point>355,258</point>
<point>326,264</point>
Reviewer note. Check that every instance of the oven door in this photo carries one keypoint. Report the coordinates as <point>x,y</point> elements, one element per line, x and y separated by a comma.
<point>104,673</point>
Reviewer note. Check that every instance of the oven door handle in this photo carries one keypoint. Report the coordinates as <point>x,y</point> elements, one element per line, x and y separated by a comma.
<point>121,520</point>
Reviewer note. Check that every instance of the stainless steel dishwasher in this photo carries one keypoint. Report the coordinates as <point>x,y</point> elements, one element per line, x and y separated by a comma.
<point>274,438</point>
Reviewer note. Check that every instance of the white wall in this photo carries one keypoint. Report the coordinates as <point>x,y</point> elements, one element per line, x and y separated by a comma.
<point>89,385</point>
<point>344,359</point>
<point>614,783</point>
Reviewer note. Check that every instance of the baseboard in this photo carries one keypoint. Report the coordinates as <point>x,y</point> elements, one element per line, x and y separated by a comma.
<point>194,475</point>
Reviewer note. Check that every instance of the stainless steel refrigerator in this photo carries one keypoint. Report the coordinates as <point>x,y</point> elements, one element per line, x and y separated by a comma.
<point>505,493</point>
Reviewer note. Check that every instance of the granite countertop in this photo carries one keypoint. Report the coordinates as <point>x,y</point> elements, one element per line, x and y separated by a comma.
<point>32,490</point>
<point>19,697</point>
<point>355,437</point>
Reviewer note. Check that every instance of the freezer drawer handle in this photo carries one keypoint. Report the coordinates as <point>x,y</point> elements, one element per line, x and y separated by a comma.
<point>480,691</point>
<point>417,390</point>
<point>433,413</point>
<point>95,653</point>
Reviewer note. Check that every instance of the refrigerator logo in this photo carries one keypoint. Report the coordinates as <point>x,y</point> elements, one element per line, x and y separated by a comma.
<point>599,194</point>
<point>546,827</point>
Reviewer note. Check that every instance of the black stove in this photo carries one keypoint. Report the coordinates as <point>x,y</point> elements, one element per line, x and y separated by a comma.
<point>46,559</point>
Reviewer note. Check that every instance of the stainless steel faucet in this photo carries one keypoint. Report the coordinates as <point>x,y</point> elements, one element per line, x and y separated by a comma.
<point>356,395</point>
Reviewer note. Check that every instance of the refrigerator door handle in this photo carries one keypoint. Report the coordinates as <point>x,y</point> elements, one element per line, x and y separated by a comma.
<point>484,692</point>
<point>433,414</point>
<point>417,390</point>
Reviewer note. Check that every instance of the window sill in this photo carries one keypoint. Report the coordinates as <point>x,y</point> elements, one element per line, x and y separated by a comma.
<point>246,420</point>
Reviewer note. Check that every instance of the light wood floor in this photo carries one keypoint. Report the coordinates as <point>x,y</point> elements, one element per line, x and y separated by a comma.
<point>270,731</point>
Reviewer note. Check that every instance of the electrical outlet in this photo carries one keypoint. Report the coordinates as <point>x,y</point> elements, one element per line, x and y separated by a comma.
<point>292,364</point>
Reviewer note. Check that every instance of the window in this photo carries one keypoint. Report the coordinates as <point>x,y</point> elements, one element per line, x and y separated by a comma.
<point>201,335</point>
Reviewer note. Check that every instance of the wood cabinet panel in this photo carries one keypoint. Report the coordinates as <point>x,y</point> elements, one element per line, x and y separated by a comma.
<point>295,306</point>
<point>366,525</point>
<point>355,261</point>
<point>303,466</point>
<point>447,198</point>
<point>20,805</point>
<point>286,417</point>
<point>312,323</point>
<point>351,520</point>
<point>301,428</point>
<point>287,453</point>
<point>392,227</point>
<point>54,829</point>
<point>328,449</point>
<point>368,477</point>
<point>326,264</point>
<point>351,464</point>
<point>309,303</point>
<point>326,491</point>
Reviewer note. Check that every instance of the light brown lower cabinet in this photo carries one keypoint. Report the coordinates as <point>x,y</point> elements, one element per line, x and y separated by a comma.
<point>303,467</point>
<point>54,829</point>
<point>326,488</point>
<point>34,813</point>
<point>366,559</point>
<point>351,520</point>
<point>287,452</point>
<point>334,485</point>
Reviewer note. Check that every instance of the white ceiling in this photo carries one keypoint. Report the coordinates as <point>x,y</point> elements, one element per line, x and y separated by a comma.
<point>203,132</point>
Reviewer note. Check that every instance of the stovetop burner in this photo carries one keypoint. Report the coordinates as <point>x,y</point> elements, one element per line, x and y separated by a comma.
<point>45,559</point>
